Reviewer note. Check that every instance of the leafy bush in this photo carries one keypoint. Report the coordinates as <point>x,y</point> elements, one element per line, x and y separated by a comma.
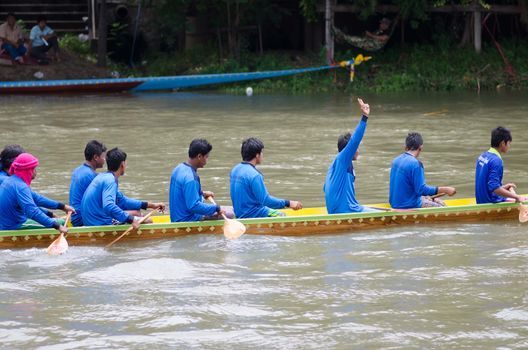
<point>71,42</point>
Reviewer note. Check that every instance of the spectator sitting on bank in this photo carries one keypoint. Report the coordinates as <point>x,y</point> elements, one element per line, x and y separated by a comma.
<point>43,38</point>
<point>371,41</point>
<point>12,39</point>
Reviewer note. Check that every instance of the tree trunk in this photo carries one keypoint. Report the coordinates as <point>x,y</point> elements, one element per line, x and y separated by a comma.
<point>467,30</point>
<point>477,25</point>
<point>102,29</point>
<point>329,37</point>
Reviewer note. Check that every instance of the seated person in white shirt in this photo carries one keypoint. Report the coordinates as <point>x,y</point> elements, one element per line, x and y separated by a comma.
<point>43,39</point>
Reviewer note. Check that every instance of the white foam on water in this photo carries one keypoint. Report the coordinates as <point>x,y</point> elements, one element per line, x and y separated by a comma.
<point>105,312</point>
<point>168,321</point>
<point>517,252</point>
<point>493,334</point>
<point>6,286</point>
<point>358,327</point>
<point>162,269</point>
<point>236,310</point>
<point>512,315</point>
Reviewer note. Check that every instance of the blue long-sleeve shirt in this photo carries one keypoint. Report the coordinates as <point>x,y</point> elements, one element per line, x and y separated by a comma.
<point>82,176</point>
<point>407,183</point>
<point>186,200</point>
<point>339,189</point>
<point>103,202</point>
<point>249,194</point>
<point>488,177</point>
<point>45,202</point>
<point>18,203</point>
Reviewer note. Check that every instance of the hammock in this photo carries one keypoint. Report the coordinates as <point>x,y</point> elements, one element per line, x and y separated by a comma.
<point>364,42</point>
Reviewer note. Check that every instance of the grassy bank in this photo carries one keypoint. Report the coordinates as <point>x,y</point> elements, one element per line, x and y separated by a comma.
<point>439,67</point>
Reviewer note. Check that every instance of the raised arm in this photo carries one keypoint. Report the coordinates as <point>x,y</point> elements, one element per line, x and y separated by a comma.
<point>347,154</point>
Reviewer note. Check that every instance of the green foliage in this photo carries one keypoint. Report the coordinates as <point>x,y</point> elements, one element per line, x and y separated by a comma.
<point>309,9</point>
<point>72,43</point>
<point>436,67</point>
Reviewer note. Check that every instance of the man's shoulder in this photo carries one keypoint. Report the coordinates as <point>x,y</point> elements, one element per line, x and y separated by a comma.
<point>182,171</point>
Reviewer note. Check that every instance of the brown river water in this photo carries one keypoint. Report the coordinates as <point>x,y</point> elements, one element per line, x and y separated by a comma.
<point>444,286</point>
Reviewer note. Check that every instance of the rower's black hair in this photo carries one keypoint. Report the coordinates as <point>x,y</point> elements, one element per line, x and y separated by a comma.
<point>93,148</point>
<point>500,134</point>
<point>11,14</point>
<point>199,146</point>
<point>41,18</point>
<point>413,141</point>
<point>114,158</point>
<point>342,141</point>
<point>250,148</point>
<point>9,154</point>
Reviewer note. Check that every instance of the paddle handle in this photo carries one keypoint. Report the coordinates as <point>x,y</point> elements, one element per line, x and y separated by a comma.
<point>67,220</point>
<point>438,195</point>
<point>210,198</point>
<point>130,229</point>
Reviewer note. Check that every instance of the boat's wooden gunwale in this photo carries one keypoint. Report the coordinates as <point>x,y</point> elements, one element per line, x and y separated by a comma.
<point>288,226</point>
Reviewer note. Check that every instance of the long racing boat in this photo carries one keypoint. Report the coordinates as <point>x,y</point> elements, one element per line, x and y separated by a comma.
<point>309,221</point>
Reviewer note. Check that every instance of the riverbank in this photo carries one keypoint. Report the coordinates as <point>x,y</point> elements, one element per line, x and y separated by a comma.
<point>394,69</point>
<point>71,66</point>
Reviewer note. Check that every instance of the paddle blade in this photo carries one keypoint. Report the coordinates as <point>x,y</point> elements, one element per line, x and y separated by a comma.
<point>59,246</point>
<point>523,213</point>
<point>233,229</point>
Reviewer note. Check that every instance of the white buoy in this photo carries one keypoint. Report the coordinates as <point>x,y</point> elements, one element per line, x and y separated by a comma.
<point>249,91</point>
<point>39,75</point>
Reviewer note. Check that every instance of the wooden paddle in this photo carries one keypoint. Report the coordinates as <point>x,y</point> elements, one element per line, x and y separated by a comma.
<point>232,228</point>
<point>60,245</point>
<point>129,229</point>
<point>523,209</point>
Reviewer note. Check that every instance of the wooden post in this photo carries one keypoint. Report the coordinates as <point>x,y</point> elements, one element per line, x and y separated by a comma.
<point>329,37</point>
<point>261,46</point>
<point>477,27</point>
<point>102,29</point>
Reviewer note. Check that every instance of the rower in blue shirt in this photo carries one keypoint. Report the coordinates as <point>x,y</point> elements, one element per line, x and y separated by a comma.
<point>186,198</point>
<point>95,155</point>
<point>340,193</point>
<point>248,193</point>
<point>7,157</point>
<point>18,204</point>
<point>103,204</point>
<point>489,171</point>
<point>407,179</point>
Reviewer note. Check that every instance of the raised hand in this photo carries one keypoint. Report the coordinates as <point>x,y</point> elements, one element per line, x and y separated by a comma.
<point>365,108</point>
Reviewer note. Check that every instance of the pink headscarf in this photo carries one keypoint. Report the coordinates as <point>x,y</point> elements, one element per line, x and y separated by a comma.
<point>23,167</point>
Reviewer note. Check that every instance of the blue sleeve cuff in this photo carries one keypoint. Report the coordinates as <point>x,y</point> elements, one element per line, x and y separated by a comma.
<point>364,118</point>
<point>287,204</point>
<point>144,205</point>
<point>61,206</point>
